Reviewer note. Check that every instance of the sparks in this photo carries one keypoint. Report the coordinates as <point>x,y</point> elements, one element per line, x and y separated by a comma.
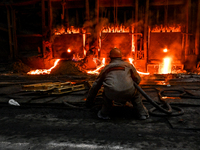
<point>43,71</point>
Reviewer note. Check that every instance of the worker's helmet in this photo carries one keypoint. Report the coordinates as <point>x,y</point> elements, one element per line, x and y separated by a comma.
<point>115,53</point>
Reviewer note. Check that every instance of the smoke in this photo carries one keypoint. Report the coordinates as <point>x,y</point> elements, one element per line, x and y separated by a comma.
<point>102,23</point>
<point>94,29</point>
<point>176,52</point>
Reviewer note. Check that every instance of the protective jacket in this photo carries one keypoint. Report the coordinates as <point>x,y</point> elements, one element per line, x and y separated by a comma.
<point>117,78</point>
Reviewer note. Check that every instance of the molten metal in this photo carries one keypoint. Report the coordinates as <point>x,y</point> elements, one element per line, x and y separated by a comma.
<point>167,66</point>
<point>131,62</point>
<point>43,71</point>
<point>96,71</point>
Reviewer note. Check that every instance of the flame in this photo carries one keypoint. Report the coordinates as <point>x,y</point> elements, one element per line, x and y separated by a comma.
<point>76,57</point>
<point>59,31</point>
<point>96,70</point>
<point>71,30</point>
<point>173,28</point>
<point>131,62</point>
<point>167,66</point>
<point>165,50</point>
<point>116,29</point>
<point>44,71</point>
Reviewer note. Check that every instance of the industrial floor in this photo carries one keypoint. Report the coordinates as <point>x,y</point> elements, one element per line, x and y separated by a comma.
<point>43,121</point>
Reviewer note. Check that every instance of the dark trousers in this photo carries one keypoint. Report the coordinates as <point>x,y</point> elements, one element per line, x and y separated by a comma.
<point>135,99</point>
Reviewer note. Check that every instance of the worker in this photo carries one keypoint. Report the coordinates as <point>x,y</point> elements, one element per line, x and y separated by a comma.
<point>88,62</point>
<point>118,79</point>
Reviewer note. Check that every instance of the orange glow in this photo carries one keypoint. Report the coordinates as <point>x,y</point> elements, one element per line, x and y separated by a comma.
<point>59,31</point>
<point>161,28</point>
<point>166,66</point>
<point>71,30</point>
<point>131,62</point>
<point>69,50</point>
<point>116,29</point>
<point>133,43</point>
<point>43,71</point>
<point>96,71</point>
<point>76,57</point>
<point>84,50</point>
<point>165,50</point>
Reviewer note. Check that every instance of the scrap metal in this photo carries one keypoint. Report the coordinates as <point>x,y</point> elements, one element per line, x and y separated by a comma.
<point>54,87</point>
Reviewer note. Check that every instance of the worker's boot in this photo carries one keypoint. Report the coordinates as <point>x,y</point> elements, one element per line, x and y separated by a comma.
<point>138,105</point>
<point>102,116</point>
<point>143,114</point>
<point>106,108</point>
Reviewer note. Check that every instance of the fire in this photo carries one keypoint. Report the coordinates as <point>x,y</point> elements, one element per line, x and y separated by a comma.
<point>71,30</point>
<point>131,62</point>
<point>166,66</point>
<point>96,71</point>
<point>44,71</point>
<point>59,31</point>
<point>76,57</point>
<point>116,29</point>
<point>173,28</point>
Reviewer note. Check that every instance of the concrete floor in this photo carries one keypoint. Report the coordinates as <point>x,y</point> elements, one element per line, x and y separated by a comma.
<point>42,121</point>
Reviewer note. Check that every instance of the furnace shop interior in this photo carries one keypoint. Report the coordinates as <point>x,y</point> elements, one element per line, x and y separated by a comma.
<point>157,36</point>
<point>52,51</point>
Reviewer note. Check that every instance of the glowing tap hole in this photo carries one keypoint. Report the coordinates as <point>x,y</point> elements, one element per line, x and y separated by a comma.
<point>165,50</point>
<point>166,66</point>
<point>69,50</point>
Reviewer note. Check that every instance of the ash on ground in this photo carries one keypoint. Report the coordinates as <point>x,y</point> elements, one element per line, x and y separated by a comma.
<point>19,67</point>
<point>68,67</point>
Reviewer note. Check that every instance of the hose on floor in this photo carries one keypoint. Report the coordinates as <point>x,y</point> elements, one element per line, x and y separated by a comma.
<point>166,112</point>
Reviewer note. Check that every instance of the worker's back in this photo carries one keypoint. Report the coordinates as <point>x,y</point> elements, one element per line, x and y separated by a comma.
<point>118,82</point>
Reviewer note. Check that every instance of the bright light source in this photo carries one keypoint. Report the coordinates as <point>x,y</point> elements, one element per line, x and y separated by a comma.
<point>69,50</point>
<point>167,66</point>
<point>44,71</point>
<point>165,50</point>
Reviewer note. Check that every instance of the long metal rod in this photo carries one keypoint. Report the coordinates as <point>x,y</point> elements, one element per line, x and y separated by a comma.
<point>9,32</point>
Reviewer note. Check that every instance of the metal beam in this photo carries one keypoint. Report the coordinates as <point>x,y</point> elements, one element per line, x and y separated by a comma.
<point>188,8</point>
<point>146,32</point>
<point>3,29</point>
<point>9,32</point>
<point>19,3</point>
<point>197,30</point>
<point>163,2</point>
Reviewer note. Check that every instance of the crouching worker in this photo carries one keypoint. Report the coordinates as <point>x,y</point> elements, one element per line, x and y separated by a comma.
<point>118,79</point>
